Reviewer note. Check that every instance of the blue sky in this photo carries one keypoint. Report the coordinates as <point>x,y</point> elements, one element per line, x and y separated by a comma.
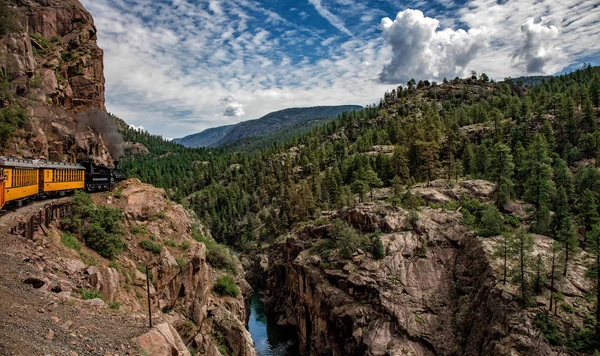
<point>180,66</point>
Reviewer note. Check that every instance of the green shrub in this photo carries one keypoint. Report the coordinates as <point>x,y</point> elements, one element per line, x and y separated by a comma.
<point>217,255</point>
<point>567,307</point>
<point>10,18</point>
<point>347,239</point>
<point>44,42</point>
<point>491,222</point>
<point>184,245</point>
<point>549,329</point>
<point>153,247</point>
<point>99,226</point>
<point>378,248</point>
<point>114,305</point>
<point>89,294</point>
<point>412,219</point>
<point>138,230</point>
<point>170,243</point>
<point>70,241</point>
<point>36,82</point>
<point>226,286</point>
<point>181,262</point>
<point>68,56</point>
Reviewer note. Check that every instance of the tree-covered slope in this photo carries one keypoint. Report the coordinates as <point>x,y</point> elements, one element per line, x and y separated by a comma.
<point>206,138</point>
<point>287,118</point>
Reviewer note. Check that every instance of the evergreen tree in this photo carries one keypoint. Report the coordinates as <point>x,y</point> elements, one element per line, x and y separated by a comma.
<point>501,172</point>
<point>520,250</point>
<point>501,250</point>
<point>491,222</point>
<point>372,180</point>
<point>588,212</point>
<point>593,239</point>
<point>556,263</point>
<point>468,160</point>
<point>539,187</point>
<point>378,248</point>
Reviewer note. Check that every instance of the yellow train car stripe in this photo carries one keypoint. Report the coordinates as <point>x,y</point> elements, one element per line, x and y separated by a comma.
<point>21,192</point>
<point>57,186</point>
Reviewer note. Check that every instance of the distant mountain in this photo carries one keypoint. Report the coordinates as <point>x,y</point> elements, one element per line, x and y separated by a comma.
<point>278,120</point>
<point>206,138</point>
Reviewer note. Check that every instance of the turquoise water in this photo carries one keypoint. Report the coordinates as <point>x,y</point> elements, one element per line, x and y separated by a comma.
<point>269,338</point>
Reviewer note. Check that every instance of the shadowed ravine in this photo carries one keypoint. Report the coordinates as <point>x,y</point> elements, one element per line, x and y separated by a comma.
<point>269,338</point>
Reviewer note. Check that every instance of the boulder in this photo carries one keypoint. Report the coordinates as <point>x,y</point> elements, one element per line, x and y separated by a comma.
<point>105,280</point>
<point>162,340</point>
<point>478,188</point>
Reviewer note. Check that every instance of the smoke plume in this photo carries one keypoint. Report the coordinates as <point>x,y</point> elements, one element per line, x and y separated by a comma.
<point>102,124</point>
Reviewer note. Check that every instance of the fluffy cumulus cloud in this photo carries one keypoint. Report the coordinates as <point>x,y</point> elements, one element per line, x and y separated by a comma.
<point>231,107</point>
<point>538,54</point>
<point>420,50</point>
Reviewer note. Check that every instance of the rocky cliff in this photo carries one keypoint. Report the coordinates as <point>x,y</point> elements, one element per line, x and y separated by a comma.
<point>436,292</point>
<point>189,317</point>
<point>55,73</point>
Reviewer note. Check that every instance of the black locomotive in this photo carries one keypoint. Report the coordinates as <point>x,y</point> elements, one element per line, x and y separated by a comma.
<point>100,178</point>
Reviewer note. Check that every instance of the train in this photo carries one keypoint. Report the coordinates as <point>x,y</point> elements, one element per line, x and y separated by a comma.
<point>23,179</point>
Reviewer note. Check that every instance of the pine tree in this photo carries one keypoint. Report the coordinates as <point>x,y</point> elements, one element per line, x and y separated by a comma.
<point>468,159</point>
<point>400,163</point>
<point>593,239</point>
<point>501,250</point>
<point>588,212</point>
<point>501,173</point>
<point>519,158</point>
<point>539,279</point>
<point>539,187</point>
<point>556,263</point>
<point>378,248</point>
<point>520,250</point>
<point>372,180</point>
<point>562,176</point>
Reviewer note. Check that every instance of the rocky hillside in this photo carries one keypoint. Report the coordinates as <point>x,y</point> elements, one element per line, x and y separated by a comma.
<point>65,286</point>
<point>436,290</point>
<point>52,70</point>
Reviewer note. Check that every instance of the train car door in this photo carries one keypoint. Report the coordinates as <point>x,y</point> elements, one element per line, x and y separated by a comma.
<point>2,187</point>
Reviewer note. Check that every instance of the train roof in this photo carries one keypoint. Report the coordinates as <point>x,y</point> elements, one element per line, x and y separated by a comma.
<point>59,165</point>
<point>31,163</point>
<point>18,162</point>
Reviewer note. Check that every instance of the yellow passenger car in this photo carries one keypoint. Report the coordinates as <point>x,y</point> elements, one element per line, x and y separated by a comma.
<point>56,176</point>
<point>20,179</point>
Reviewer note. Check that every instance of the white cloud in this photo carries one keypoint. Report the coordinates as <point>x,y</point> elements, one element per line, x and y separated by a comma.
<point>421,51</point>
<point>168,63</point>
<point>140,128</point>
<point>578,22</point>
<point>327,15</point>
<point>538,53</point>
<point>231,107</point>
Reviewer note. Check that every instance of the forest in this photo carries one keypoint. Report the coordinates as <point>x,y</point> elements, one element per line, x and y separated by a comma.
<point>539,144</point>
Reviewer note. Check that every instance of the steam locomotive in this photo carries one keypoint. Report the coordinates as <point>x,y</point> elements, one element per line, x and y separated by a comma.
<point>22,179</point>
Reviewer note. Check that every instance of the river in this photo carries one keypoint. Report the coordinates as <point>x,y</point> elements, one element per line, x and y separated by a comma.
<point>269,338</point>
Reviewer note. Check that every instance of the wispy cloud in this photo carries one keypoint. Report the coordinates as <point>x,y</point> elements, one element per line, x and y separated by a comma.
<point>333,20</point>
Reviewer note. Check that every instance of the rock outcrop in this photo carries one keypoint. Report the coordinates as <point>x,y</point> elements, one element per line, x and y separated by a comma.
<point>162,340</point>
<point>182,278</point>
<point>435,293</point>
<point>55,69</point>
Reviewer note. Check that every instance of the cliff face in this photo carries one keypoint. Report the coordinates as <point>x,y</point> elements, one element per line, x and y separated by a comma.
<point>189,317</point>
<point>435,293</point>
<point>55,71</point>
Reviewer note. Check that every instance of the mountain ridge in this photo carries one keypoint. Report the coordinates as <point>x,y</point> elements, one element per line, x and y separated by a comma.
<point>221,135</point>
